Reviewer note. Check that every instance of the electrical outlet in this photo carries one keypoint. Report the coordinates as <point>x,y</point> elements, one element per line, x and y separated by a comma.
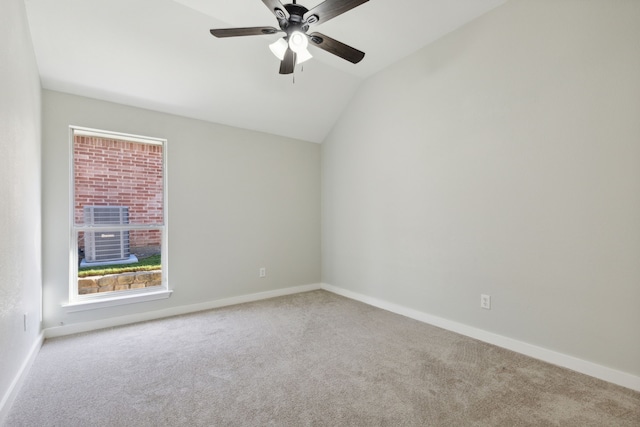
<point>485,301</point>
<point>24,322</point>
<point>263,272</point>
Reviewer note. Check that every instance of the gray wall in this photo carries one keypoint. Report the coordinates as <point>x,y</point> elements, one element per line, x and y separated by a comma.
<point>503,159</point>
<point>238,200</point>
<point>20,266</point>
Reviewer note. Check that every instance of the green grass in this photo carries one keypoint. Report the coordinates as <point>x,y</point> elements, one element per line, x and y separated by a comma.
<point>146,264</point>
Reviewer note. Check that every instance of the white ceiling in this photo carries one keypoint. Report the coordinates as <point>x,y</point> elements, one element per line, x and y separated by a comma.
<point>158,54</point>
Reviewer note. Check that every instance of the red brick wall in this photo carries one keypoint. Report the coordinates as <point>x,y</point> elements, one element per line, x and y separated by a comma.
<point>110,172</point>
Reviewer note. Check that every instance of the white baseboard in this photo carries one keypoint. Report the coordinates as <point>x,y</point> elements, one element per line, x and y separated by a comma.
<point>18,380</point>
<point>579,365</point>
<point>76,328</point>
<point>585,367</point>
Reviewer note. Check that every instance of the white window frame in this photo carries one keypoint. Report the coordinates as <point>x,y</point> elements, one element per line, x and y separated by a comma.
<point>78,302</point>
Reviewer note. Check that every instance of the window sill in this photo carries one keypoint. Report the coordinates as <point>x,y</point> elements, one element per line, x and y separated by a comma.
<point>113,301</point>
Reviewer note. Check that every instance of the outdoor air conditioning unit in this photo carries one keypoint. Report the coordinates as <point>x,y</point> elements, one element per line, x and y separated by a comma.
<point>107,246</point>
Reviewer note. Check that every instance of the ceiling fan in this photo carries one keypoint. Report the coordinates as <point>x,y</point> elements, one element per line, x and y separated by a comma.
<point>294,20</point>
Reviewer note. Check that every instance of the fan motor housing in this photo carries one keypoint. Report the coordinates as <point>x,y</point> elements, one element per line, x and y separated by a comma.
<point>296,19</point>
<point>296,12</point>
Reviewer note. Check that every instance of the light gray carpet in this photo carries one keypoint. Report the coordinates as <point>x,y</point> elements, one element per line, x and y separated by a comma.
<point>311,359</point>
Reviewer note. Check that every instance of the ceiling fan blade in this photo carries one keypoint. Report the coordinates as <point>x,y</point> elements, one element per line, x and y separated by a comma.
<point>337,48</point>
<point>274,6</point>
<point>330,9</point>
<point>249,31</point>
<point>288,63</point>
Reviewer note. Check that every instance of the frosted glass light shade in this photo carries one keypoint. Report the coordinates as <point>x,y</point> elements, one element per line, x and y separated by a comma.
<point>298,42</point>
<point>303,56</point>
<point>279,47</point>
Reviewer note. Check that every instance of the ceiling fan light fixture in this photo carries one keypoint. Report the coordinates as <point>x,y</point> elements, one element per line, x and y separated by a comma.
<point>298,42</point>
<point>279,47</point>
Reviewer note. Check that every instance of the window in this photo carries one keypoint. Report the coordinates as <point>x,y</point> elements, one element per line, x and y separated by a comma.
<point>118,250</point>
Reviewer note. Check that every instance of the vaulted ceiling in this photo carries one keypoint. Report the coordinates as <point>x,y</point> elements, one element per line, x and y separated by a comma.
<point>158,54</point>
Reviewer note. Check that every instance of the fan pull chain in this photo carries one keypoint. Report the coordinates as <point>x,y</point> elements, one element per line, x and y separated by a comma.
<point>293,75</point>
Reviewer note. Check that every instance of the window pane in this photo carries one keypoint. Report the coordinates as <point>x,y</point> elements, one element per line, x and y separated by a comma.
<point>125,175</point>
<point>118,260</point>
